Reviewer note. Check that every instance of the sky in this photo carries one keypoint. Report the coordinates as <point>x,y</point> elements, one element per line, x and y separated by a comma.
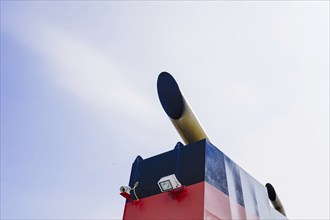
<point>79,100</point>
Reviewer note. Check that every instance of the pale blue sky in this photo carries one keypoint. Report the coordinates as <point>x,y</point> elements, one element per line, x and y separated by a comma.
<point>79,100</point>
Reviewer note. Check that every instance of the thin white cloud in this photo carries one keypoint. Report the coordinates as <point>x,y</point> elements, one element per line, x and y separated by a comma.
<point>79,67</point>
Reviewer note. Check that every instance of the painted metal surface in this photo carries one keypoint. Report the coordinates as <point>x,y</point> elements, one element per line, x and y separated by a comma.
<point>227,191</point>
<point>188,164</point>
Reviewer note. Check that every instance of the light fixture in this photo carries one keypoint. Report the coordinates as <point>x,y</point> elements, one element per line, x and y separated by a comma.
<point>126,189</point>
<point>168,183</point>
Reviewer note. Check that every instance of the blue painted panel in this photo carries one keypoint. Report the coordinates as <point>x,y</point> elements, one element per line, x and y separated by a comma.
<point>234,181</point>
<point>249,194</point>
<point>186,162</point>
<point>215,171</point>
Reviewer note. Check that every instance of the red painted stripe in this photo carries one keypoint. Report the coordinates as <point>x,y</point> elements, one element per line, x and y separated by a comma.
<point>197,201</point>
<point>189,204</point>
<point>217,203</point>
<point>219,206</point>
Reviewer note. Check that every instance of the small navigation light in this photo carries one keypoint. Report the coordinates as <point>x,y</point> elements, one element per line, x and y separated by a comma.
<point>168,183</point>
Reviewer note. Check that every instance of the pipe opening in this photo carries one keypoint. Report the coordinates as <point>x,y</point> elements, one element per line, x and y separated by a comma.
<point>271,192</point>
<point>170,95</point>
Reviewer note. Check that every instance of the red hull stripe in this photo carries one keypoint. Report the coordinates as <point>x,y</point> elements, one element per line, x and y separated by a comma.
<point>198,201</point>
